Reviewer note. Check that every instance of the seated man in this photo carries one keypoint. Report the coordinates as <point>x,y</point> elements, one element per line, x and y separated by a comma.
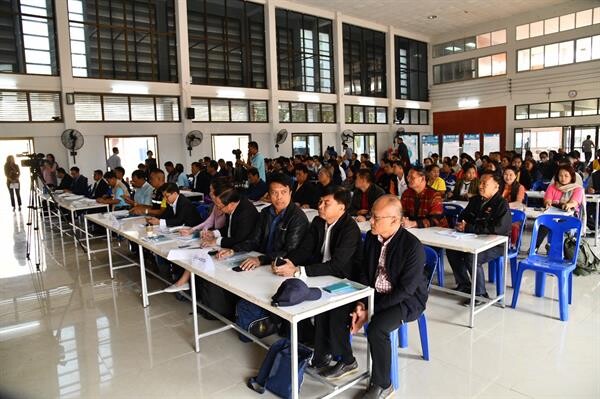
<point>158,204</point>
<point>257,188</point>
<point>66,181</point>
<point>180,211</point>
<point>486,213</point>
<point>365,194</point>
<point>143,190</point>
<point>393,264</point>
<point>117,195</point>
<point>421,204</point>
<point>305,193</point>
<point>79,186</point>
<point>332,247</point>
<point>100,187</point>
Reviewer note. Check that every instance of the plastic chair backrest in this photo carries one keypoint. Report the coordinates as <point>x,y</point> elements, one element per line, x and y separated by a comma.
<point>451,211</point>
<point>538,185</point>
<point>558,226</point>
<point>431,261</point>
<point>518,217</point>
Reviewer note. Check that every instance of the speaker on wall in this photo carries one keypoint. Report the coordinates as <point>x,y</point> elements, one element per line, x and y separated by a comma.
<point>190,113</point>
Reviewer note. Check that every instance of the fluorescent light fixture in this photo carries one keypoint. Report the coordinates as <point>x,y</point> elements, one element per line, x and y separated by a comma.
<point>309,97</point>
<point>366,101</point>
<point>468,103</point>
<point>470,44</point>
<point>8,83</point>
<point>413,104</point>
<point>230,93</point>
<point>19,327</point>
<point>129,88</point>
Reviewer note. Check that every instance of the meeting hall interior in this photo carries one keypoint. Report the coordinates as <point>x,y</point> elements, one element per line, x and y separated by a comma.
<point>300,199</point>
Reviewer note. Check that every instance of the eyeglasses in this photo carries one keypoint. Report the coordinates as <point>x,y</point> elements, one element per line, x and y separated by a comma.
<point>378,218</point>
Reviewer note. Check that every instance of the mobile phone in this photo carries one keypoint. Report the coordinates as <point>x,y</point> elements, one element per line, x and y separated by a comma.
<point>237,269</point>
<point>279,261</point>
<point>213,253</point>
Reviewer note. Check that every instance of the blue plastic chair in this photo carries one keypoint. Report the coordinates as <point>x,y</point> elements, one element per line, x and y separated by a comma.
<point>431,262</point>
<point>539,185</point>
<point>451,212</point>
<point>204,210</point>
<point>496,268</point>
<point>552,263</point>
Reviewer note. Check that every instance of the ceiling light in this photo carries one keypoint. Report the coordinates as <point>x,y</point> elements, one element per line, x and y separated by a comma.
<point>432,17</point>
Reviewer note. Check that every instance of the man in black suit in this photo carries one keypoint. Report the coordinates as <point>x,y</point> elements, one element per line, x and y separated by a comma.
<point>66,181</point>
<point>393,264</point>
<point>305,193</point>
<point>79,186</point>
<point>332,247</point>
<point>180,211</point>
<point>365,194</point>
<point>100,187</point>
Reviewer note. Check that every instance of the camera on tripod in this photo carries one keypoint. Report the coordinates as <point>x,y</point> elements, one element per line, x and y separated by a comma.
<point>237,153</point>
<point>33,161</point>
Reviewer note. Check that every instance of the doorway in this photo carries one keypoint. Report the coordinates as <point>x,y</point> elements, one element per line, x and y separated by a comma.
<point>132,150</point>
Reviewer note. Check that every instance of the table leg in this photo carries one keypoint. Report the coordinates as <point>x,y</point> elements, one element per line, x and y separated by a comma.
<point>73,223</point>
<point>108,246</point>
<point>596,235</point>
<point>505,266</point>
<point>59,219</point>
<point>87,238</point>
<point>294,351</point>
<point>195,312</point>
<point>370,311</point>
<point>473,291</point>
<point>145,301</point>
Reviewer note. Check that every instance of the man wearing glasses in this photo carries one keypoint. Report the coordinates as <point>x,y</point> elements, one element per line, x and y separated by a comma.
<point>393,264</point>
<point>422,205</point>
<point>180,211</point>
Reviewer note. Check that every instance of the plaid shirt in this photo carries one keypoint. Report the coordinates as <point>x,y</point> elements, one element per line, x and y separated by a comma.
<point>383,285</point>
<point>426,208</point>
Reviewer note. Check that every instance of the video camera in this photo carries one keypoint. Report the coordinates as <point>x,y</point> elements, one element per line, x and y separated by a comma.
<point>237,153</point>
<point>33,161</point>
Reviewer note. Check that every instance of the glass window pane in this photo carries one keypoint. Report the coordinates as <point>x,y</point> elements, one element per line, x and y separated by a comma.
<point>499,37</point>
<point>167,108</point>
<point>522,112</point>
<point>219,110</point>
<point>560,109</point>
<point>583,18</point>
<point>258,111</point>
<point>537,58</point>
<point>239,111</point>
<point>200,106</point>
<point>499,64</point>
<point>470,43</point>
<point>551,55</point>
<point>44,106</point>
<point>523,32</point>
<point>565,53</point>
<point>369,114</point>
<point>586,107</point>
<point>423,117</point>
<point>537,111</point>
<point>142,109</point>
<point>484,66</point>
<point>298,112</point>
<point>284,111</point>
<point>584,49</point>
<point>567,22</point>
<point>523,60</point>
<point>358,115</point>
<point>88,107</point>
<point>414,116</point>
<point>536,29</point>
<point>406,119</point>
<point>116,108</point>
<point>596,47</point>
<point>348,113</point>
<point>483,40</point>
<point>381,115</point>
<point>328,113</point>
<point>551,25</point>
<point>597,15</point>
<point>313,112</point>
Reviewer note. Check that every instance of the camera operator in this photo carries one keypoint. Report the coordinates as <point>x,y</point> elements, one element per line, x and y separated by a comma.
<point>256,160</point>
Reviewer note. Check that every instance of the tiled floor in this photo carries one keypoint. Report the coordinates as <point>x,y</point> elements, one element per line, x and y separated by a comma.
<point>66,332</point>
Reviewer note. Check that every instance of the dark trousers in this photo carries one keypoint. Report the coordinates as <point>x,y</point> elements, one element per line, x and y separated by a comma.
<point>332,333</point>
<point>378,335</point>
<point>588,157</point>
<point>461,264</point>
<point>12,192</point>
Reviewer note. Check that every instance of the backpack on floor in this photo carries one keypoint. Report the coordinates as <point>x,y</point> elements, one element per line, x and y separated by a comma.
<point>254,319</point>
<point>275,372</point>
<point>587,261</point>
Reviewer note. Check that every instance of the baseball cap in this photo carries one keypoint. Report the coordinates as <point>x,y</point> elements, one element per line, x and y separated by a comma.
<point>294,291</point>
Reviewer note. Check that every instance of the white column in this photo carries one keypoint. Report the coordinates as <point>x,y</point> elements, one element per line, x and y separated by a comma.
<point>391,77</point>
<point>272,81</point>
<point>338,63</point>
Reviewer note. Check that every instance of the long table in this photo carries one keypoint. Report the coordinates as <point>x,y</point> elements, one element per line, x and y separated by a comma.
<point>256,286</point>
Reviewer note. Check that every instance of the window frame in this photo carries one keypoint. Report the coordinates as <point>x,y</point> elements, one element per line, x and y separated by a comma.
<point>289,107</point>
<point>365,134</point>
<point>364,113</point>
<point>29,115</point>
<point>572,102</point>
<point>306,136</point>
<point>229,100</point>
<point>212,140</point>
<point>128,96</point>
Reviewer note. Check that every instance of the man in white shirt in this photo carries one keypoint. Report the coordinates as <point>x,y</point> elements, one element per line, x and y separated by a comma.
<point>586,147</point>
<point>114,160</point>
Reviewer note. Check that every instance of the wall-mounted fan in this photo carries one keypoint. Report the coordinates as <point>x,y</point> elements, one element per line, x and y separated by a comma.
<point>280,138</point>
<point>72,140</point>
<point>193,139</point>
<point>347,136</point>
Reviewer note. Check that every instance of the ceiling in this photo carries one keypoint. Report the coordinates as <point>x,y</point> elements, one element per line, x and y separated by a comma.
<point>452,15</point>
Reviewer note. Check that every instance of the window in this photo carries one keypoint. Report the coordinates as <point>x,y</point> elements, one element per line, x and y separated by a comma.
<point>227,43</point>
<point>473,42</point>
<point>306,112</point>
<point>364,62</point>
<point>24,106</point>
<point>123,39</point>
<point>306,144</point>
<point>561,109</point>
<point>28,39</point>
<point>473,68</point>
<point>132,150</point>
<point>555,54</point>
<point>304,52</point>
<point>559,24</point>
<point>223,144</point>
<point>366,143</point>
<point>411,69</point>
<point>521,111</point>
<point>537,111</point>
<point>585,107</point>
<point>124,108</point>
<point>363,114</point>
<point>229,110</point>
<point>557,109</point>
<point>413,116</point>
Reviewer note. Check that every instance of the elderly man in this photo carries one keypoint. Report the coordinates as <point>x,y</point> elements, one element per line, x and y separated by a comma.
<point>422,205</point>
<point>331,247</point>
<point>365,194</point>
<point>486,213</point>
<point>393,264</point>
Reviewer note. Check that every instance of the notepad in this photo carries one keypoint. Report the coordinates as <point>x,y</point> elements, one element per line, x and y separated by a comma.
<point>343,287</point>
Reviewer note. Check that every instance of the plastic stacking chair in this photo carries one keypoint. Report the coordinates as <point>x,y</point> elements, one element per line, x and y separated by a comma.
<point>203,210</point>
<point>431,262</point>
<point>539,185</point>
<point>451,212</point>
<point>552,263</point>
<point>496,268</point>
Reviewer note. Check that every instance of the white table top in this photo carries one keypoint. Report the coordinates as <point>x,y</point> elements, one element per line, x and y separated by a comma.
<point>256,286</point>
<point>191,194</point>
<point>309,212</point>
<point>533,213</point>
<point>459,203</point>
<point>432,236</point>
<point>73,204</point>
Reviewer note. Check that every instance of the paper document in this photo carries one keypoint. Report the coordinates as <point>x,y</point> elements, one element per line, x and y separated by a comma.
<point>456,234</point>
<point>186,253</point>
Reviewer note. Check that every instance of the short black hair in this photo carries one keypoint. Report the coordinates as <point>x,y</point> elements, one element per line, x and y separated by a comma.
<point>253,144</point>
<point>496,176</point>
<point>141,166</point>
<point>301,168</point>
<point>61,170</point>
<point>179,167</point>
<point>74,169</point>
<point>340,195</point>
<point>469,165</point>
<point>157,171</point>
<point>229,196</point>
<point>220,185</point>
<point>110,175</point>
<point>419,170</point>
<point>280,178</point>
<point>213,164</point>
<point>99,172</point>
<point>253,171</point>
<point>120,169</point>
<point>168,163</point>
<point>366,174</point>
<point>169,188</point>
<point>138,174</point>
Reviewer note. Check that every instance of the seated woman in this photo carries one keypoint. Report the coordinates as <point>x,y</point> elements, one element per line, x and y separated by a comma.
<point>468,186</point>
<point>448,175</point>
<point>434,180</point>
<point>514,192</point>
<point>564,193</point>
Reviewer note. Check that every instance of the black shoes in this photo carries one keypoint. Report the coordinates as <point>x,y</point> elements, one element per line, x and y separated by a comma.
<point>339,370</point>
<point>478,302</point>
<point>377,392</point>
<point>319,362</point>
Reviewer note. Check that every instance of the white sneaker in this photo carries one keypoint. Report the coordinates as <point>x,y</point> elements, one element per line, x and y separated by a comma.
<point>177,288</point>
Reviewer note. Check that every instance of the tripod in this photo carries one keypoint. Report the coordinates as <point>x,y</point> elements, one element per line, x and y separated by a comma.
<point>33,219</point>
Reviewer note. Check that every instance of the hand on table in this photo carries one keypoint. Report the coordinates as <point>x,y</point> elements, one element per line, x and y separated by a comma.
<point>225,253</point>
<point>152,220</point>
<point>250,263</point>
<point>186,231</point>
<point>286,270</point>
<point>460,226</point>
